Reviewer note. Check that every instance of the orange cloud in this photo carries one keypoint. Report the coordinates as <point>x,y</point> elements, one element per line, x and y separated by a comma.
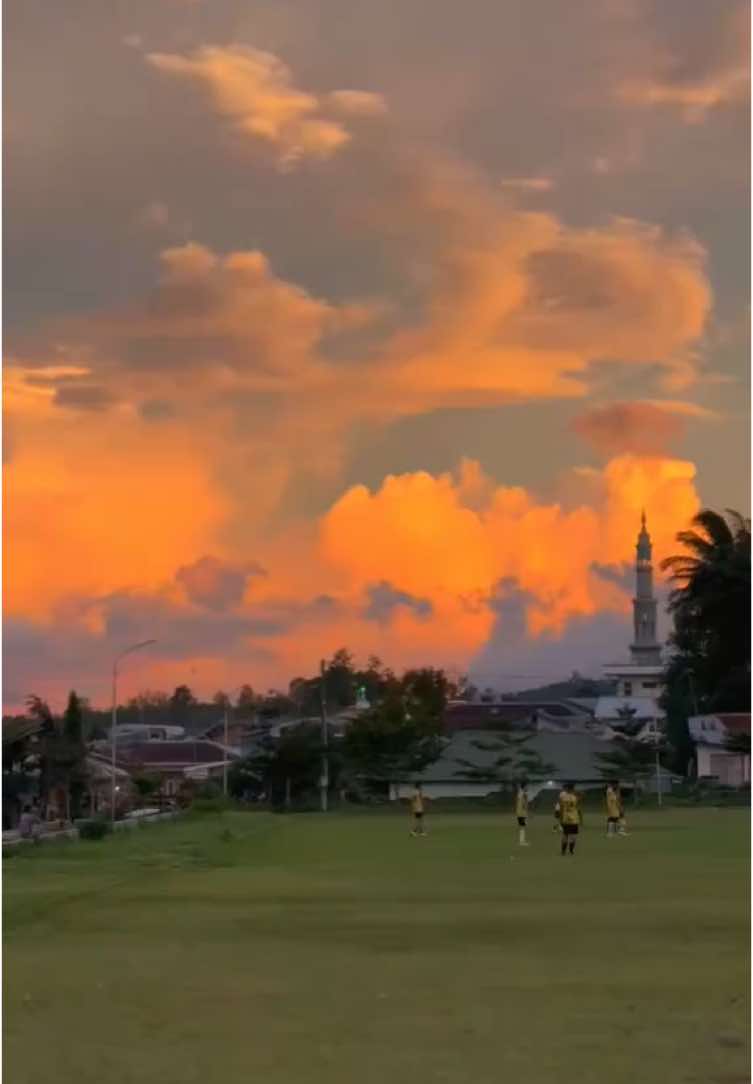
<point>254,90</point>
<point>101,506</point>
<point>433,539</point>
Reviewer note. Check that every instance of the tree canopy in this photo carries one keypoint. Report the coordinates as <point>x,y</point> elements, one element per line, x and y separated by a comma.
<point>709,665</point>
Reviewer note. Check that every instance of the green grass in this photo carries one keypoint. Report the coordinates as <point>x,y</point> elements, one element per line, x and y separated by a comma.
<point>302,949</point>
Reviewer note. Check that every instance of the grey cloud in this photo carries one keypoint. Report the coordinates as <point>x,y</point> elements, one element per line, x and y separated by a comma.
<point>74,396</point>
<point>384,599</point>
<point>215,584</point>
<point>156,410</point>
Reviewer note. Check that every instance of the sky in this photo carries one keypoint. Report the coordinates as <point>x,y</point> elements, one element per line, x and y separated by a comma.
<point>367,324</point>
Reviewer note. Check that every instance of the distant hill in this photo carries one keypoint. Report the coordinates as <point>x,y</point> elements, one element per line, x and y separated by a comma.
<point>575,687</point>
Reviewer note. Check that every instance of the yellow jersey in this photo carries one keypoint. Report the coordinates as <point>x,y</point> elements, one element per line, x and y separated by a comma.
<point>417,803</point>
<point>521,803</point>
<point>568,808</point>
<point>614,803</point>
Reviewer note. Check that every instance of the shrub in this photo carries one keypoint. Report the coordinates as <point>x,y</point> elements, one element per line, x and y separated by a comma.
<point>93,829</point>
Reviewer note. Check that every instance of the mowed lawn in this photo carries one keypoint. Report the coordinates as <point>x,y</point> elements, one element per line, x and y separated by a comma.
<point>306,949</point>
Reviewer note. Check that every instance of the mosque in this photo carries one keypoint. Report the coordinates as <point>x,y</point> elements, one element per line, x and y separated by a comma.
<point>639,680</point>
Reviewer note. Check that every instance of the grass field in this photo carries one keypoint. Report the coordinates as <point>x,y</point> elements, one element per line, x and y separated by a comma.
<point>302,949</point>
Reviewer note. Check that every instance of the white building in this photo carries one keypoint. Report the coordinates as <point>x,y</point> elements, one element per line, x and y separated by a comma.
<point>711,735</point>
<point>639,680</point>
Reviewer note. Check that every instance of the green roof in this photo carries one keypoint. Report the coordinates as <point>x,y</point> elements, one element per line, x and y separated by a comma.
<point>573,756</point>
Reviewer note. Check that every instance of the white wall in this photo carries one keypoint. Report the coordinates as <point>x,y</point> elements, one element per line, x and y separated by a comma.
<point>402,791</point>
<point>730,769</point>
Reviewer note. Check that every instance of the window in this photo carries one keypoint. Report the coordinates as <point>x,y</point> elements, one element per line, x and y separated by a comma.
<point>628,688</point>
<point>649,684</point>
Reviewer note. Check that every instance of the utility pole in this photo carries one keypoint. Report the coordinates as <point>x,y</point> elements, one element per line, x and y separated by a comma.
<point>114,724</point>
<point>224,750</point>
<point>324,778</point>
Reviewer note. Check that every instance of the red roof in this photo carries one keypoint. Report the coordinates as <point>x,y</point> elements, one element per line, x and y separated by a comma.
<point>174,754</point>
<point>735,722</point>
<point>484,716</point>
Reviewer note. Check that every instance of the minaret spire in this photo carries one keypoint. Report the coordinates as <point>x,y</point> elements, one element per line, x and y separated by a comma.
<point>645,649</point>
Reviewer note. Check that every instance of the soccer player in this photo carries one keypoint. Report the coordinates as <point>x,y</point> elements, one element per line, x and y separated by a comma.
<point>567,812</point>
<point>418,808</point>
<point>614,807</point>
<point>521,812</point>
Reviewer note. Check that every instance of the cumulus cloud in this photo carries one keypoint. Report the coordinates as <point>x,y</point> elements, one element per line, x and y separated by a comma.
<point>255,92</point>
<point>454,556</point>
<point>214,584</point>
<point>643,427</point>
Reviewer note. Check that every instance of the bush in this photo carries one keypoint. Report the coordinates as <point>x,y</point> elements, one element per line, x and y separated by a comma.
<point>93,829</point>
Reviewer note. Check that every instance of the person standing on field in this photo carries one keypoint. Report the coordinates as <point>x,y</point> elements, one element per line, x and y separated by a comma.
<point>614,808</point>
<point>521,812</point>
<point>568,814</point>
<point>418,808</point>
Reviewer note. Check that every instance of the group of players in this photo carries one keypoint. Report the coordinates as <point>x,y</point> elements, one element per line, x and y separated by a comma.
<point>568,814</point>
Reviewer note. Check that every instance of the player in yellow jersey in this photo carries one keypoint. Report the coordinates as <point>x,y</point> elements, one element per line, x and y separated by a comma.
<point>614,807</point>
<point>521,812</point>
<point>418,808</point>
<point>567,811</point>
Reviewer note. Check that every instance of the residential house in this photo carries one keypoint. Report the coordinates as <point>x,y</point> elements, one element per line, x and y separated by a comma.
<point>712,735</point>
<point>173,761</point>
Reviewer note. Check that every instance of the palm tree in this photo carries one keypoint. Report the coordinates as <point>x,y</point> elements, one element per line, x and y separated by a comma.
<point>710,606</point>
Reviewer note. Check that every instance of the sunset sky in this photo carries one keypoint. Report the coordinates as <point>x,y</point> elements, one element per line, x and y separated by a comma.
<point>362,323</point>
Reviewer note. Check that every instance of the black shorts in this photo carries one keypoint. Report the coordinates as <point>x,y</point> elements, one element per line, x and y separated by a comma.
<point>570,829</point>
<point>522,822</point>
<point>613,820</point>
<point>418,816</point>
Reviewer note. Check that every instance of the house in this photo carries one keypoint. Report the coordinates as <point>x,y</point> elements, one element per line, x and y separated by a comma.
<point>462,715</point>
<point>711,735</point>
<point>137,732</point>
<point>99,773</point>
<point>570,756</point>
<point>173,761</point>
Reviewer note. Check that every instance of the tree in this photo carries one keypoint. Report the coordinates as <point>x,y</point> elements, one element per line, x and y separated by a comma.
<point>390,741</point>
<point>72,754</point>
<point>629,758</point>
<point>149,706</point>
<point>39,710</point>
<point>426,691</point>
<point>247,698</point>
<point>515,759</point>
<point>181,703</point>
<point>284,769</point>
<point>401,734</point>
<point>340,680</point>
<point>710,607</point>
<point>62,754</point>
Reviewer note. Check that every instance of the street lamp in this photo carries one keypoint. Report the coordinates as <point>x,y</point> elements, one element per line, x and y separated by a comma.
<point>114,728</point>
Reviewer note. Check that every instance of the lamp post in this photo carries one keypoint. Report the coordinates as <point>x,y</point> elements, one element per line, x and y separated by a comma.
<point>114,728</point>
